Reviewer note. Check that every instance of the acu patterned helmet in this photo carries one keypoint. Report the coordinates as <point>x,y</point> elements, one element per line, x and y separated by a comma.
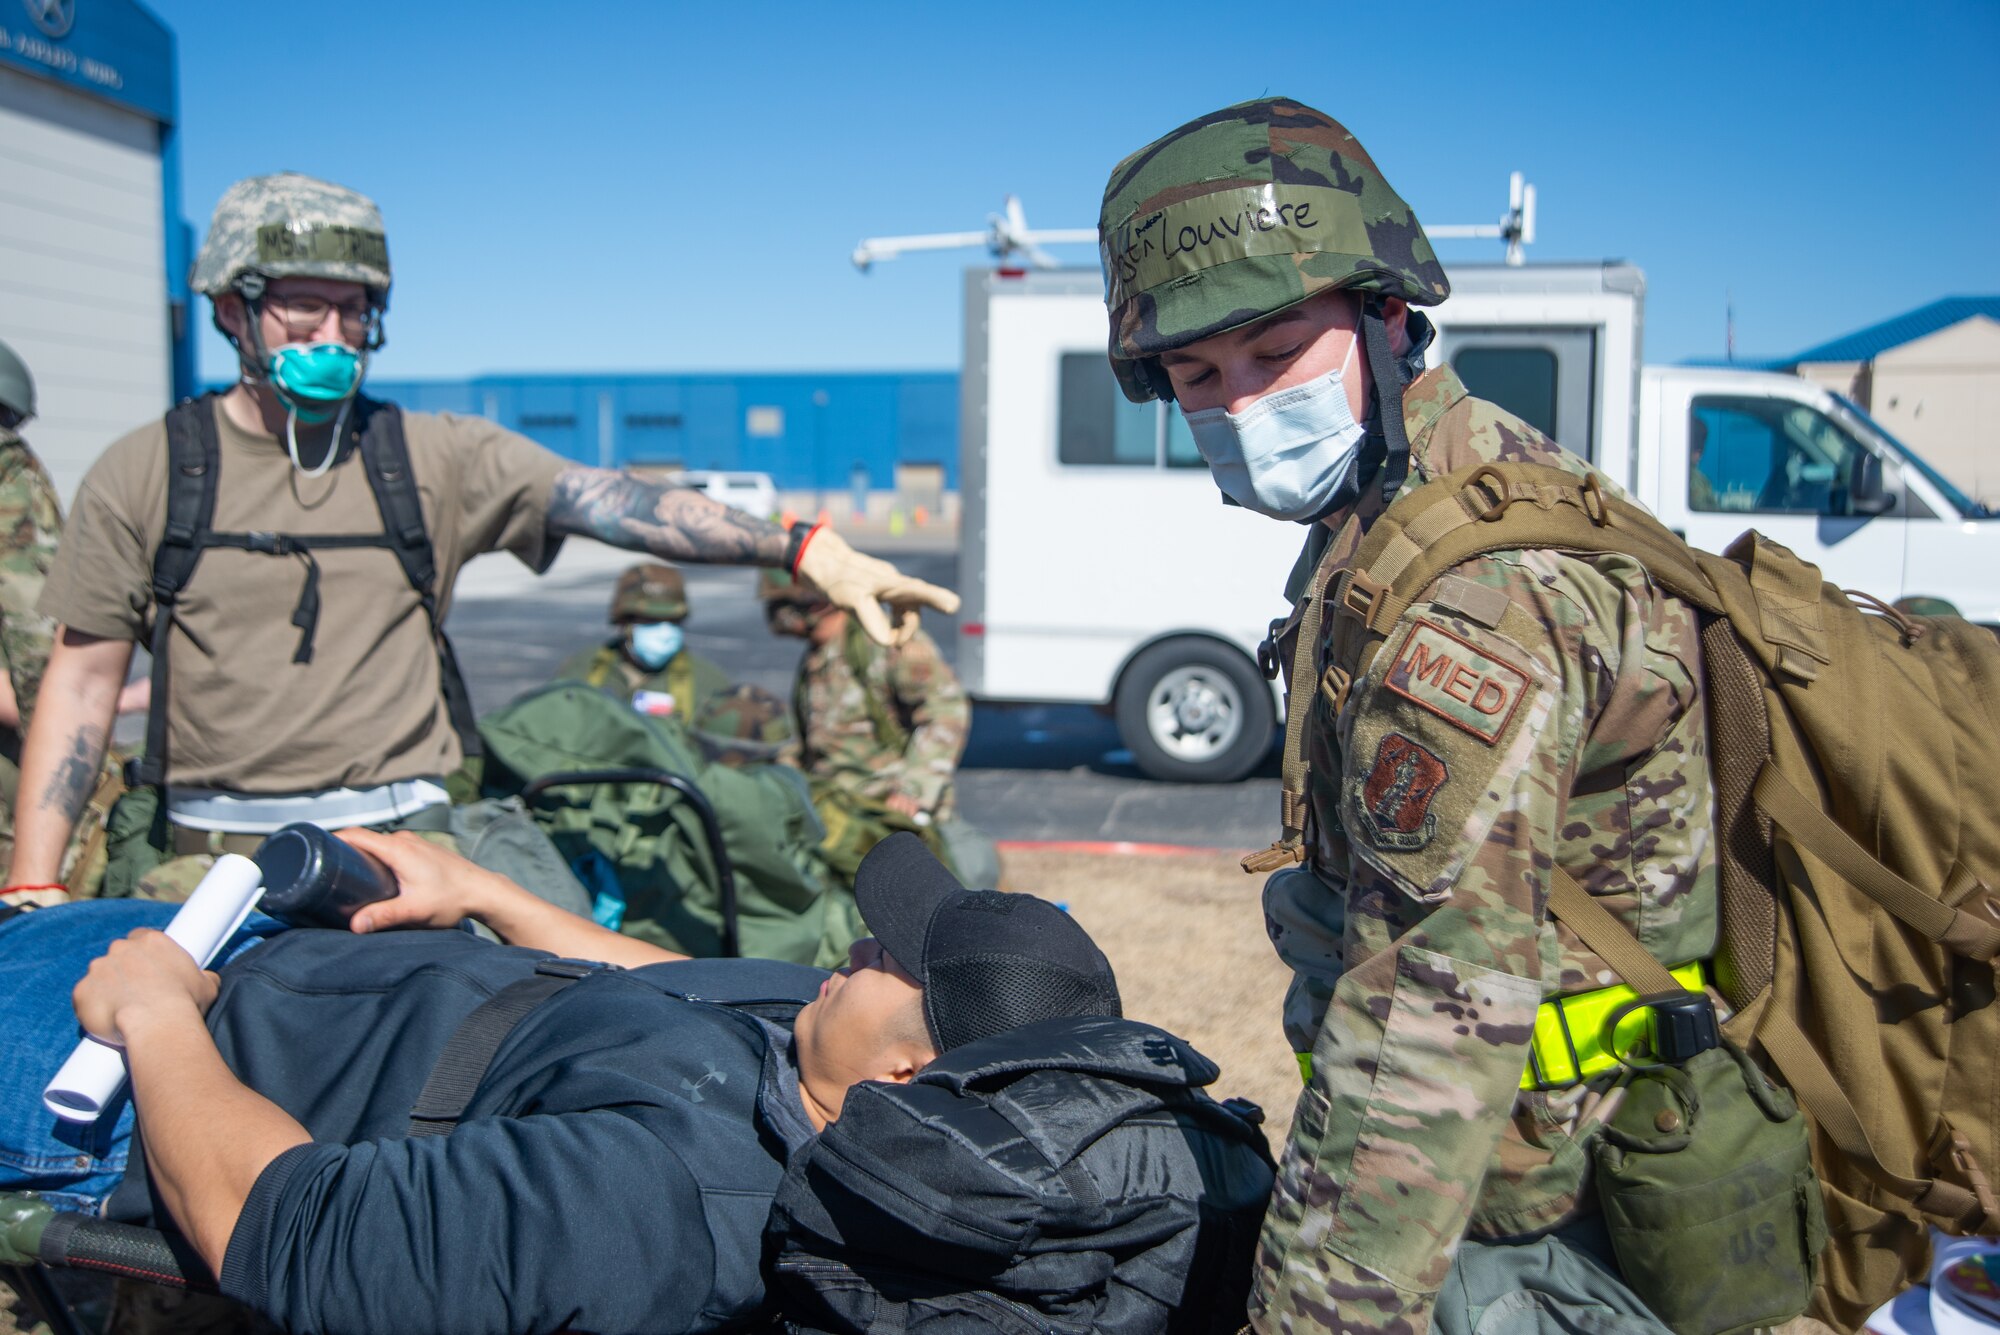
<point>743,726</point>
<point>1241,213</point>
<point>290,225</point>
<point>649,592</point>
<point>17,388</point>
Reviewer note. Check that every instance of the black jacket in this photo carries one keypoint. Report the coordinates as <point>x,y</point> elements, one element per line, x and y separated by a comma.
<point>613,1172</point>
<point>1069,1176</point>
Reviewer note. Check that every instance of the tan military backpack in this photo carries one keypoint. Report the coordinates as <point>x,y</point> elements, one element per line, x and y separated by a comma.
<point>1857,774</point>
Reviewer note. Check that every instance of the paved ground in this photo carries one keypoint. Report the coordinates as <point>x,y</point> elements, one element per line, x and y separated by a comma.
<point>1032,772</point>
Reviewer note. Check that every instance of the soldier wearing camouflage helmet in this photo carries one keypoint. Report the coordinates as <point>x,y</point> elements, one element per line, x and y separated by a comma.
<point>880,729</point>
<point>30,528</point>
<point>288,548</point>
<point>1534,709</point>
<point>648,661</point>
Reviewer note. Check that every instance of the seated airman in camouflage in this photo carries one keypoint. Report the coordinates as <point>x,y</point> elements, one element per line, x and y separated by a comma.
<point>880,728</point>
<point>648,661</point>
<point>1532,710</point>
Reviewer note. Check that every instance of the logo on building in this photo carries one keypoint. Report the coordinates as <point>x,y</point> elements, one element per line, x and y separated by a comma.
<point>54,17</point>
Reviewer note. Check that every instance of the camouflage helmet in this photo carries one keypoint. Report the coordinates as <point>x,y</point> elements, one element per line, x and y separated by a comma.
<point>743,725</point>
<point>17,387</point>
<point>649,592</point>
<point>289,225</point>
<point>778,586</point>
<point>1924,606</point>
<point>1241,213</point>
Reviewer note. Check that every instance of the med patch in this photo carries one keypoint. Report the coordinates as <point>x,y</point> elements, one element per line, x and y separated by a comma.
<point>1396,795</point>
<point>1456,680</point>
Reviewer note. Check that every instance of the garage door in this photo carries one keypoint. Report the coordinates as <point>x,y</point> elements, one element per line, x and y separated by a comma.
<point>83,294</point>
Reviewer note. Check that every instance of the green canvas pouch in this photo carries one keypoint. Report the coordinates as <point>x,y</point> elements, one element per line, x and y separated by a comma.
<point>1705,1180</point>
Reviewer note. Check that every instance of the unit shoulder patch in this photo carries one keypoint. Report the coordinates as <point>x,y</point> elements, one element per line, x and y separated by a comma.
<point>1397,793</point>
<point>1456,680</point>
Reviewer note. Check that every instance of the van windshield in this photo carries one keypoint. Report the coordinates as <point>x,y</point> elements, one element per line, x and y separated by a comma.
<point>1958,500</point>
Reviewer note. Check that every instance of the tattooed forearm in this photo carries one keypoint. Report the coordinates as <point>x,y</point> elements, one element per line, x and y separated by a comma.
<point>677,523</point>
<point>69,788</point>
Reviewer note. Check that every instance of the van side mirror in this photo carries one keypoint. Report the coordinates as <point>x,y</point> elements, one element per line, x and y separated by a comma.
<point>1869,496</point>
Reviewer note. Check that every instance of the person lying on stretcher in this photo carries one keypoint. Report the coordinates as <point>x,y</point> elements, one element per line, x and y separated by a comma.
<point>611,1167</point>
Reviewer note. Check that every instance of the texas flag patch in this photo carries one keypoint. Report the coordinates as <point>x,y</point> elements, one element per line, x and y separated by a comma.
<point>1456,680</point>
<point>659,704</point>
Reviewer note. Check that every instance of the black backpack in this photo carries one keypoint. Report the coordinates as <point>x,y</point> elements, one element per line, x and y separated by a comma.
<point>1068,1176</point>
<point>194,455</point>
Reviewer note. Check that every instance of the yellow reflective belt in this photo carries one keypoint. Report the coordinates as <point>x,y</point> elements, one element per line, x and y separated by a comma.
<point>1569,1034</point>
<point>1569,1044</point>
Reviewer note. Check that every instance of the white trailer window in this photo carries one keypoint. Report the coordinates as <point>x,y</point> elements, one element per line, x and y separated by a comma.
<point>1098,426</point>
<point>1521,380</point>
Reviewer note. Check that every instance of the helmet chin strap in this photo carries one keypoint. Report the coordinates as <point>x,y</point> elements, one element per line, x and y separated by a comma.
<point>1387,375</point>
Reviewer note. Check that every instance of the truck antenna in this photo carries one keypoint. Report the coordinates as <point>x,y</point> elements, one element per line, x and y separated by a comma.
<point>1007,234</point>
<point>1516,227</point>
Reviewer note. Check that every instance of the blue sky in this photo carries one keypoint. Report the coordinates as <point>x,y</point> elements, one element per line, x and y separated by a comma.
<point>666,186</point>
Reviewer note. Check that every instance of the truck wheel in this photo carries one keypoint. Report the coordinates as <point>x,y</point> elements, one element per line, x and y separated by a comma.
<point>1194,711</point>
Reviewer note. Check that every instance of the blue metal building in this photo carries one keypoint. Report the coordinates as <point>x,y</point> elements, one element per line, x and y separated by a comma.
<point>808,430</point>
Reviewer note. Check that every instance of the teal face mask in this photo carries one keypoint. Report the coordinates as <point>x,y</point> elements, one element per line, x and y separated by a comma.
<point>315,378</point>
<point>654,644</point>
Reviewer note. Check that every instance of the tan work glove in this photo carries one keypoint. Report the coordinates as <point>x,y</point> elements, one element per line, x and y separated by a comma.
<point>861,584</point>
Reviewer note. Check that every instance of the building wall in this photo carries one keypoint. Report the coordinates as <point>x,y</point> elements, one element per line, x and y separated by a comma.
<point>83,286</point>
<point>809,431</point>
<point>1941,396</point>
<point>1849,378</point>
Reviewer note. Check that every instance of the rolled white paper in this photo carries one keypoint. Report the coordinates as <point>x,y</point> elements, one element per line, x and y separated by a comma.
<point>95,1072</point>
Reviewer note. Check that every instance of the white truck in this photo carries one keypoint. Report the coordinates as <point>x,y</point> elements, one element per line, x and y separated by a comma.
<point>1100,567</point>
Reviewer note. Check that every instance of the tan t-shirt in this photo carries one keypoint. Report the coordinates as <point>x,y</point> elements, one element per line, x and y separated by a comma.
<point>368,708</point>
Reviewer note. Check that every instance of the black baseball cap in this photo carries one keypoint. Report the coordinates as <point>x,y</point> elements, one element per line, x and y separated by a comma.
<point>989,960</point>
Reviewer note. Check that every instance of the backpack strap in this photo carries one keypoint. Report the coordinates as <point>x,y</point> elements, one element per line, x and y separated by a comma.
<point>1441,524</point>
<point>468,1054</point>
<point>385,457</point>
<point>193,457</point>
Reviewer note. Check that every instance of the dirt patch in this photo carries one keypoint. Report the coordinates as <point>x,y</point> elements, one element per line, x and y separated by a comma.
<point>1186,936</point>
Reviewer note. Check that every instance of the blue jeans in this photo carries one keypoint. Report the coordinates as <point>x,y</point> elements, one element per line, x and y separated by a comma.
<point>42,956</point>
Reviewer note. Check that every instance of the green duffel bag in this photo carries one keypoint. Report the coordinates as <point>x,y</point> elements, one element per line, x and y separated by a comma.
<point>1705,1179</point>
<point>641,847</point>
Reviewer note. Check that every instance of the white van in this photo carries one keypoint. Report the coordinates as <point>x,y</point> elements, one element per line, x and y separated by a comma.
<point>1099,565</point>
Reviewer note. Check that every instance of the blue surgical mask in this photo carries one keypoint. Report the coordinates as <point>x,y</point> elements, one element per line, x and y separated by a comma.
<point>655,643</point>
<point>1287,454</point>
<point>316,381</point>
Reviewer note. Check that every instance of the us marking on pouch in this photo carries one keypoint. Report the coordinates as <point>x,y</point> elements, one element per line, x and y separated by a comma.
<point>1397,793</point>
<point>1459,682</point>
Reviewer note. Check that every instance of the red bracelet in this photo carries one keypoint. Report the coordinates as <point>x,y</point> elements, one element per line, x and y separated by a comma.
<point>800,555</point>
<point>21,889</point>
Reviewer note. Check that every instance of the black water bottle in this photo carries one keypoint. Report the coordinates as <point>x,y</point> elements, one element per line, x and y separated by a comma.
<point>312,879</point>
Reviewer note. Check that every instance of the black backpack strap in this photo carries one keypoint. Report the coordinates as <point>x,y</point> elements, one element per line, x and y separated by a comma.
<point>470,1050</point>
<point>193,461</point>
<point>385,457</point>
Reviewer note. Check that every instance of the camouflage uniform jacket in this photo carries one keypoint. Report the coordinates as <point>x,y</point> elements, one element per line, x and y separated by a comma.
<point>30,525</point>
<point>1536,707</point>
<point>906,739</point>
<point>688,677</point>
